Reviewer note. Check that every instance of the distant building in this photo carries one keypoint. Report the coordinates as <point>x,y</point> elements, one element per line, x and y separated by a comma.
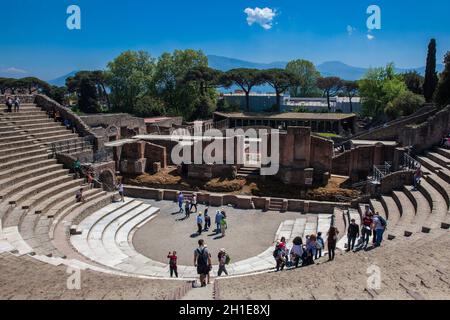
<point>337,123</point>
<point>260,102</point>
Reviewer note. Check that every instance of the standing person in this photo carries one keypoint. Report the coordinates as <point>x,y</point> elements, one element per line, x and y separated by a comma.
<point>224,259</point>
<point>332,241</point>
<point>199,223</point>
<point>90,179</point>
<point>223,226</point>
<point>352,234</point>
<point>218,220</point>
<point>173,263</point>
<point>77,168</point>
<point>9,103</point>
<point>207,220</point>
<point>279,255</point>
<point>366,229</point>
<point>121,192</point>
<point>16,104</point>
<point>379,225</point>
<point>180,202</point>
<point>297,251</point>
<point>202,261</point>
<point>187,209</point>
<point>320,244</point>
<point>194,202</point>
<point>311,244</point>
<point>417,177</point>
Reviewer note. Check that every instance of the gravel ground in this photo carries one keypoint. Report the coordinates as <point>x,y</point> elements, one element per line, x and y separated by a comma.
<point>250,232</point>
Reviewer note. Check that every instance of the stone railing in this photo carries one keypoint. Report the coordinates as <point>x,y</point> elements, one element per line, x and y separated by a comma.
<point>237,201</point>
<point>81,127</point>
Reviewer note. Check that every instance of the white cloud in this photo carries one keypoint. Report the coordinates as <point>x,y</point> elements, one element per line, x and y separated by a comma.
<point>370,37</point>
<point>350,30</point>
<point>263,17</point>
<point>14,70</point>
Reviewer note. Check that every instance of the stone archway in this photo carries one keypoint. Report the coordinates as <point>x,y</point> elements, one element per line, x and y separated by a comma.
<point>108,179</point>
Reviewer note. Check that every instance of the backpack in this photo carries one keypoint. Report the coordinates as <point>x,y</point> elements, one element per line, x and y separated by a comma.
<point>276,253</point>
<point>202,258</point>
<point>227,259</point>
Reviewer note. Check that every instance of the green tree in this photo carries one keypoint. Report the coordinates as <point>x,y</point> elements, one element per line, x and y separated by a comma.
<point>405,104</point>
<point>330,87</point>
<point>350,90</point>
<point>87,90</point>
<point>414,81</point>
<point>246,79</point>
<point>379,87</point>
<point>280,80</point>
<point>307,75</point>
<point>129,76</point>
<point>431,77</point>
<point>182,97</point>
<point>443,89</point>
<point>205,78</point>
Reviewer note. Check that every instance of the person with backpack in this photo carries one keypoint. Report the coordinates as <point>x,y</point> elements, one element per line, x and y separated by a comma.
<point>379,225</point>
<point>173,263</point>
<point>352,234</point>
<point>224,259</point>
<point>202,261</point>
<point>279,255</point>
<point>332,241</point>
<point>320,244</point>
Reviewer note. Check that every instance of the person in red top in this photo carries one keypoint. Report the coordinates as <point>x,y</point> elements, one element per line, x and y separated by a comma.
<point>366,228</point>
<point>173,263</point>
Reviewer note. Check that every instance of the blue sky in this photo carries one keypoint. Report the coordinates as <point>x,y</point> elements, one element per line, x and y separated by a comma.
<point>35,39</point>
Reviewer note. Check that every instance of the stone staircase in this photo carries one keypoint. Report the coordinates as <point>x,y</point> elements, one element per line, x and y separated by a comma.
<point>36,191</point>
<point>412,268</point>
<point>408,211</point>
<point>248,172</point>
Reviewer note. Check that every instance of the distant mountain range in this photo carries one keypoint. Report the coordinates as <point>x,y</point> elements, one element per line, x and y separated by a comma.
<point>61,81</point>
<point>327,69</point>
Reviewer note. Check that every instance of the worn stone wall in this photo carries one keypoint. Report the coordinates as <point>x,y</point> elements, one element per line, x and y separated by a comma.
<point>358,162</point>
<point>427,134</point>
<point>82,128</point>
<point>305,160</point>
<point>238,201</point>
<point>155,153</point>
<point>125,124</point>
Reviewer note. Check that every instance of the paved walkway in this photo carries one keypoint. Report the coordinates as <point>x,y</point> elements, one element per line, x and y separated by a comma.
<point>106,238</point>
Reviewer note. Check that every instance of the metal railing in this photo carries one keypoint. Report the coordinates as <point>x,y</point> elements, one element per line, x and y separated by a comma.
<point>381,171</point>
<point>409,163</point>
<point>72,146</point>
